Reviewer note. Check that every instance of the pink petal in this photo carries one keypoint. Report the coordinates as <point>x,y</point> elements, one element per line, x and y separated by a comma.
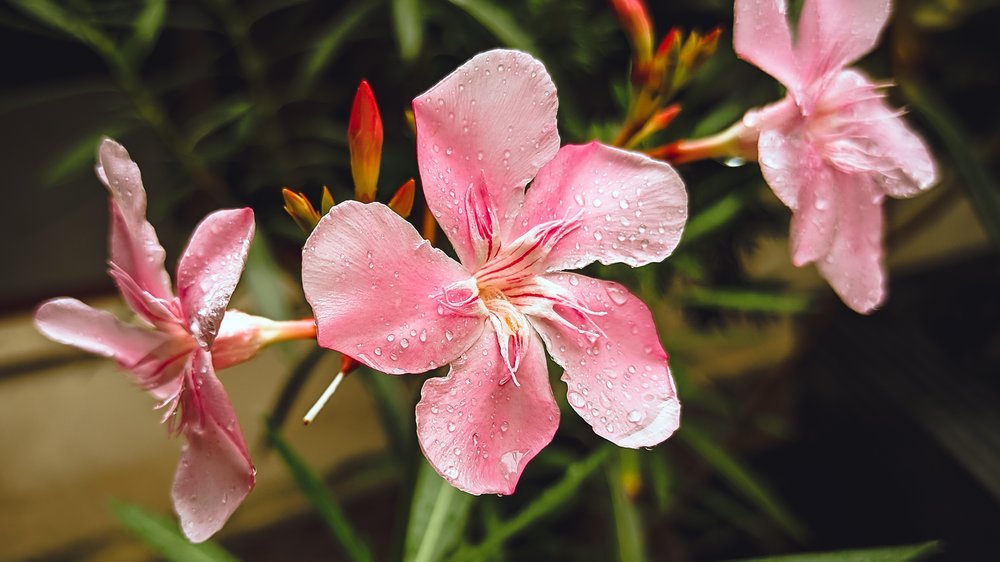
<point>623,206</point>
<point>853,267</point>
<point>211,267</point>
<point>492,120</point>
<point>761,37</point>
<point>479,434</point>
<point>814,220</point>
<point>134,246</point>
<point>900,160</point>
<point>383,295</point>
<point>618,381</point>
<point>834,33</point>
<point>164,314</point>
<point>787,158</point>
<point>215,473</point>
<point>70,322</point>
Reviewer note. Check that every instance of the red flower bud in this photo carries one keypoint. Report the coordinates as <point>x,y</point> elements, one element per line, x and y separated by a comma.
<point>364,138</point>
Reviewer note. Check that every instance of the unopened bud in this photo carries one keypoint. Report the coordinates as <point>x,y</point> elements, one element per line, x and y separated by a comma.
<point>402,201</point>
<point>364,138</point>
<point>639,29</point>
<point>659,121</point>
<point>297,205</point>
<point>326,201</point>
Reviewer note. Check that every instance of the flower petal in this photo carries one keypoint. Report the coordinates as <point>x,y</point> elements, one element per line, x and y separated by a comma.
<point>479,434</point>
<point>210,268</point>
<point>134,246</point>
<point>623,206</point>
<point>618,380</point>
<point>492,120</point>
<point>383,295</point>
<point>853,266</point>
<point>834,33</point>
<point>788,161</point>
<point>71,322</point>
<point>814,220</point>
<point>215,473</point>
<point>900,160</point>
<point>761,36</point>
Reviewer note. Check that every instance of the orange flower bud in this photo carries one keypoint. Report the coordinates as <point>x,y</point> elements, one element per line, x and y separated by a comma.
<point>326,201</point>
<point>402,201</point>
<point>300,209</point>
<point>659,121</point>
<point>635,21</point>
<point>364,138</point>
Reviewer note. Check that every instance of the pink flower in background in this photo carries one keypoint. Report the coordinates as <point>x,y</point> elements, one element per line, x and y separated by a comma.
<point>383,295</point>
<point>832,149</point>
<point>191,336</point>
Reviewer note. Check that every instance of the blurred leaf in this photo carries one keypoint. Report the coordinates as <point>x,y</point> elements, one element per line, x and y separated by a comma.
<point>979,183</point>
<point>724,115</point>
<point>660,474</point>
<point>80,157</point>
<point>746,300</point>
<point>163,536</point>
<point>393,413</point>
<point>437,517</point>
<point>218,116</point>
<point>628,527</point>
<point>264,278</point>
<point>146,29</point>
<point>499,22</point>
<point>554,497</point>
<point>409,27</point>
<point>296,380</point>
<point>57,17</point>
<point>742,479</point>
<point>329,42</point>
<point>716,216</point>
<point>908,553</point>
<point>320,498</point>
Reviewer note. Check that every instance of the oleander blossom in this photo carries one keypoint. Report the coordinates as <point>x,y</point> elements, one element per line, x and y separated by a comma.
<point>183,340</point>
<point>386,297</point>
<point>831,149</point>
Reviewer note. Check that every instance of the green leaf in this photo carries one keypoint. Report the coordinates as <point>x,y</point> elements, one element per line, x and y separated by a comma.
<point>437,517</point>
<point>163,536</point>
<point>556,496</point>
<point>907,553</point>
<point>264,278</point>
<point>216,117</point>
<point>979,183</point>
<point>329,42</point>
<point>320,498</point>
<point>57,17</point>
<point>393,413</point>
<point>628,527</point>
<point>716,216</point>
<point>499,22</point>
<point>742,479</point>
<point>296,380</point>
<point>409,27</point>
<point>147,27</point>
<point>746,300</point>
<point>80,157</point>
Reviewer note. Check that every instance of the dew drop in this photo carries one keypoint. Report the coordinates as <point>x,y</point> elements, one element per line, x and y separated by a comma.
<point>576,399</point>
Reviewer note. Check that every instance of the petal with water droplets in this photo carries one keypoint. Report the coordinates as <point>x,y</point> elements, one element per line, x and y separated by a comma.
<point>617,380</point>
<point>834,33</point>
<point>478,433</point>
<point>215,473</point>
<point>383,295</point>
<point>134,245</point>
<point>492,120</point>
<point>620,207</point>
<point>761,36</point>
<point>210,268</point>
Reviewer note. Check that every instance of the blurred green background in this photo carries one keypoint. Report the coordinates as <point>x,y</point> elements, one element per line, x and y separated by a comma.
<point>806,427</point>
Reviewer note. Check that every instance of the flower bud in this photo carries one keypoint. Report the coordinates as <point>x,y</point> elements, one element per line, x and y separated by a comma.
<point>635,21</point>
<point>402,201</point>
<point>297,205</point>
<point>364,138</point>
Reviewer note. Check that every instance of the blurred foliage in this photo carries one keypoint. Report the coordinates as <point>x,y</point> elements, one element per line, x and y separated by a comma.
<point>245,98</point>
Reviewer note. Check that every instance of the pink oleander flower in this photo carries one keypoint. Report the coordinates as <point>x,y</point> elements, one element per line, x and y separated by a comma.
<point>832,149</point>
<point>383,295</point>
<point>185,338</point>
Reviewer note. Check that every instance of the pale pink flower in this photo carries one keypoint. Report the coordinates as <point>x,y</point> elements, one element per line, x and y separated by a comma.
<point>383,295</point>
<point>185,339</point>
<point>832,149</point>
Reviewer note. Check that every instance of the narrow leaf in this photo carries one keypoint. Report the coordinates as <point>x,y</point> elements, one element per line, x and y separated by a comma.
<point>437,517</point>
<point>80,156</point>
<point>979,183</point>
<point>716,216</point>
<point>164,536</point>
<point>553,498</point>
<point>216,117</point>
<point>907,553</point>
<point>741,479</point>
<point>628,527</point>
<point>746,300</point>
<point>329,42</point>
<point>146,29</point>
<point>264,279</point>
<point>499,22</point>
<point>319,496</point>
<point>409,27</point>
